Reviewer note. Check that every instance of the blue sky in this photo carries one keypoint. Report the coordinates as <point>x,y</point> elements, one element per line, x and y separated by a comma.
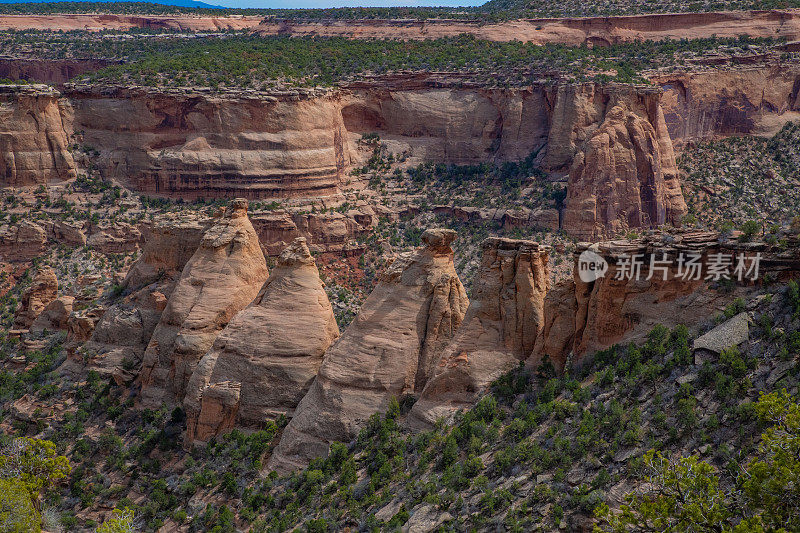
<point>342,3</point>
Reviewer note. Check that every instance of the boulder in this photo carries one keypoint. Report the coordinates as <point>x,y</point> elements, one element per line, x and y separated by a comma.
<point>732,332</point>
<point>266,358</point>
<point>222,278</point>
<point>390,349</point>
<point>500,328</point>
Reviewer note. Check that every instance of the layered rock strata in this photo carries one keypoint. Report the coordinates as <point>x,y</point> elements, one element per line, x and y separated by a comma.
<point>34,139</point>
<point>266,358</point>
<point>222,277</point>
<point>389,350</point>
<point>500,329</point>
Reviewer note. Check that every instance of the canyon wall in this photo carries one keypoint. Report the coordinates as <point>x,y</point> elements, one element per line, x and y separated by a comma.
<point>598,31</point>
<point>713,103</point>
<point>193,144</point>
<point>187,144</point>
<point>612,143</point>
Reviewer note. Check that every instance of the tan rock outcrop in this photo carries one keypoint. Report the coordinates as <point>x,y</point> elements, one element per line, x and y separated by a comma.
<point>718,102</point>
<point>196,145</point>
<point>324,232</point>
<point>117,238</point>
<point>625,175</point>
<point>266,358</point>
<point>500,329</point>
<point>222,277</point>
<point>43,290</point>
<point>34,135</point>
<point>390,349</point>
<point>118,341</point>
<point>54,317</point>
<point>22,241</point>
<point>69,233</point>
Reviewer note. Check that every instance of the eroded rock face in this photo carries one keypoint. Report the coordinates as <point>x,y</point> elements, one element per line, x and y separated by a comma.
<point>500,329</point>
<point>222,277</point>
<point>43,290</point>
<point>719,102</point>
<point>266,358</point>
<point>625,175</point>
<point>22,241</point>
<point>582,317</point>
<point>34,135</point>
<point>390,349</point>
<point>118,341</point>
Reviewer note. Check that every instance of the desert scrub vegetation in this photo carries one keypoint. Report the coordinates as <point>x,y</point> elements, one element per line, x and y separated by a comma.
<point>740,179</point>
<point>540,450</point>
<point>688,494</point>
<point>237,60</point>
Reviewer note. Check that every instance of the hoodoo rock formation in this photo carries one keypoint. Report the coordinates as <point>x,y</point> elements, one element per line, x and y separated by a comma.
<point>500,328</point>
<point>625,175</point>
<point>33,138</point>
<point>222,277</point>
<point>390,349</point>
<point>43,290</point>
<point>627,301</point>
<point>266,358</point>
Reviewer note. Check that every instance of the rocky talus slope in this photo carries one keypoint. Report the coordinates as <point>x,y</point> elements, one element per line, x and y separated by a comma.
<point>266,358</point>
<point>503,321</point>
<point>391,349</point>
<point>222,277</point>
